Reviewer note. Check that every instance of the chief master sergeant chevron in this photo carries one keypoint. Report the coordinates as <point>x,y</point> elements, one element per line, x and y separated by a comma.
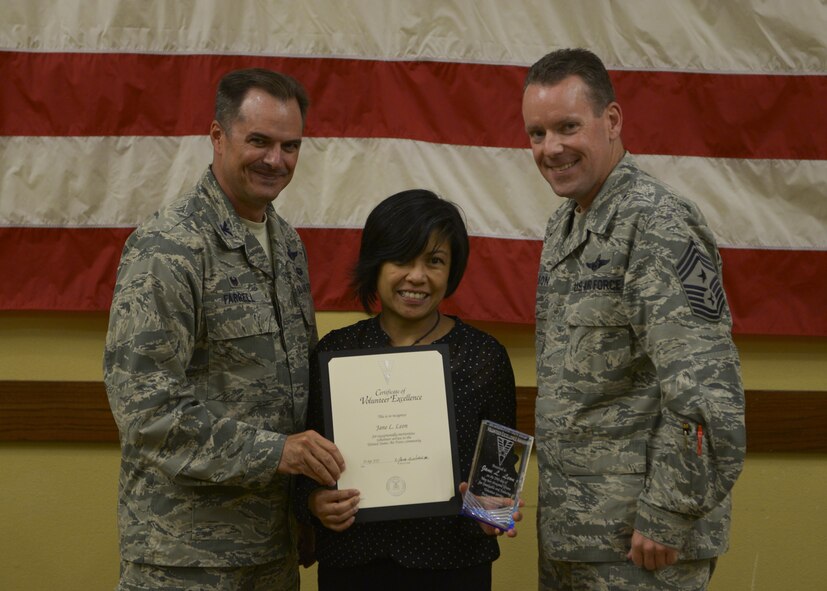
<point>639,417</point>
<point>206,362</point>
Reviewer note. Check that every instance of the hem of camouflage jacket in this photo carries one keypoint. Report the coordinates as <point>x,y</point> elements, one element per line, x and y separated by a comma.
<point>602,556</point>
<point>667,528</point>
<point>188,557</point>
<point>583,552</point>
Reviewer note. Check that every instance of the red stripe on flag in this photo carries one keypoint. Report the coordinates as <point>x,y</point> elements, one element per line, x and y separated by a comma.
<point>776,292</point>
<point>671,113</point>
<point>723,115</point>
<point>90,94</point>
<point>59,269</point>
<point>772,292</point>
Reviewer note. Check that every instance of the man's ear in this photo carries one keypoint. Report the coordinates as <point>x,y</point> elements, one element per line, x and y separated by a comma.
<point>614,116</point>
<point>217,136</point>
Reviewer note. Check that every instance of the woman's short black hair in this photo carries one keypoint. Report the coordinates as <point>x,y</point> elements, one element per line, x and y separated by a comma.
<point>398,230</point>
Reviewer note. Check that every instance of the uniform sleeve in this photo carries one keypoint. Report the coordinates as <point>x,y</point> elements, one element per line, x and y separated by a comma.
<point>681,319</point>
<point>312,330</point>
<point>315,422</point>
<point>148,360</point>
<point>541,303</point>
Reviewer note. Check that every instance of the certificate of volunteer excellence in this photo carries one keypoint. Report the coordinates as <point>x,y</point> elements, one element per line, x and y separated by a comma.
<point>391,414</point>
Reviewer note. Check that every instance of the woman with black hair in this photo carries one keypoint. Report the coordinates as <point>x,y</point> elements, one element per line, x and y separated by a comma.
<point>413,254</point>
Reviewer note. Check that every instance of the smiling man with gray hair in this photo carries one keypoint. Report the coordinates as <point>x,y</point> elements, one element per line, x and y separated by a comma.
<point>206,362</point>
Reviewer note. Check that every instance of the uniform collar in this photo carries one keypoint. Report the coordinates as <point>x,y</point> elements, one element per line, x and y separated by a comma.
<point>221,213</point>
<point>605,204</point>
<point>559,243</point>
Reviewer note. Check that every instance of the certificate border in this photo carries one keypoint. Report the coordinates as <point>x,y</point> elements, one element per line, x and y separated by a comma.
<point>437,509</point>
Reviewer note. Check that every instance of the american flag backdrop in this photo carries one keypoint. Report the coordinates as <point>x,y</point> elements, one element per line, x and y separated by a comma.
<point>105,107</point>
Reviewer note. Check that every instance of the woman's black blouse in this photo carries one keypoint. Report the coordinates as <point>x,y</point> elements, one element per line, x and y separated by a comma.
<point>483,388</point>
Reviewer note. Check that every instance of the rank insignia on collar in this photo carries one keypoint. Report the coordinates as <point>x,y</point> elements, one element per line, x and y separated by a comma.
<point>701,283</point>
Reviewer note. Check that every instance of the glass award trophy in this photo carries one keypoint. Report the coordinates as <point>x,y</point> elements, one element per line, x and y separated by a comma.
<point>497,475</point>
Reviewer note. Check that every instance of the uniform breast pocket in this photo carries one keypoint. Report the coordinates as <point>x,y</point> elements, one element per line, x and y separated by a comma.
<point>600,342</point>
<point>242,351</point>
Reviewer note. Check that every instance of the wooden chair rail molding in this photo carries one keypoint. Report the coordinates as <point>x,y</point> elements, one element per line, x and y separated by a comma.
<point>79,411</point>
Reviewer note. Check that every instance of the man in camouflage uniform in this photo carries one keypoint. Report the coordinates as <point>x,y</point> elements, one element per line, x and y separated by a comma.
<point>639,417</point>
<point>206,362</point>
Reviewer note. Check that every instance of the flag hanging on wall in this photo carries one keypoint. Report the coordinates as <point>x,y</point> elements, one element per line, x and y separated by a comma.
<point>105,108</point>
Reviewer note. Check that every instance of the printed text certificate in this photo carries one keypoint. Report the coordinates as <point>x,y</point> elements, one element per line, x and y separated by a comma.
<point>390,421</point>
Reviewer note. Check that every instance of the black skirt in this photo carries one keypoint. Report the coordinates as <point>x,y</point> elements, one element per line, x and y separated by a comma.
<point>387,574</point>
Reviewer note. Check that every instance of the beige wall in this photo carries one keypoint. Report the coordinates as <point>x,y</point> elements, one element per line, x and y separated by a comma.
<point>57,501</point>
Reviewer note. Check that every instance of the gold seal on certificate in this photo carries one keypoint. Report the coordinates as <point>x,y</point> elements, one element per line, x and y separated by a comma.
<point>391,414</point>
<point>497,475</point>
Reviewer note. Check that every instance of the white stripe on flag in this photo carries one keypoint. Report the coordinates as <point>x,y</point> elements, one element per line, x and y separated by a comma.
<point>118,181</point>
<point>757,36</point>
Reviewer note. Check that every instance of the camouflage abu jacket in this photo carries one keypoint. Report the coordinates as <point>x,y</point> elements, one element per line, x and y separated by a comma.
<point>639,416</point>
<point>206,369</point>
